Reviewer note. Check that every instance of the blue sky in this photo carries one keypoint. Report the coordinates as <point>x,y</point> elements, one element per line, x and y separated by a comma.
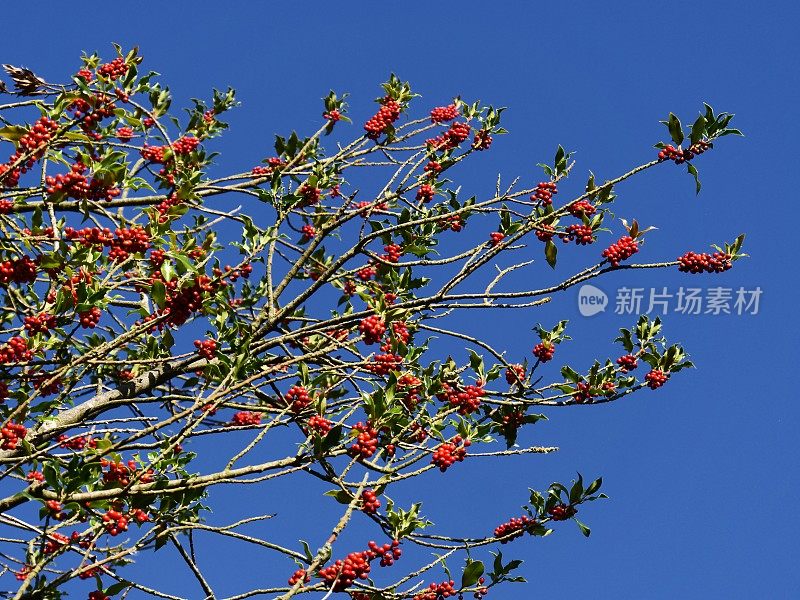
<point>702,473</point>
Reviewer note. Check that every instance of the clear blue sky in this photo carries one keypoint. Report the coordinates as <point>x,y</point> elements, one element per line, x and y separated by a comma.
<point>703,473</point>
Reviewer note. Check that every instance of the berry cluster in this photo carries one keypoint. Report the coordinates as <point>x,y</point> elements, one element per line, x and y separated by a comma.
<point>449,453</point>
<point>693,262</point>
<point>372,328</point>
<point>452,138</point>
<point>496,237</point>
<point>425,193</point>
<point>514,528</point>
<point>308,231</point>
<point>383,364</point>
<point>680,155</point>
<point>119,474</point>
<point>482,140</point>
<point>89,319</point>
<point>122,243</point>
<point>309,195</point>
<point>467,399</point>
<point>15,350</point>
<point>77,185</point>
<point>544,192</point>
<point>388,553</point>
<point>544,351</point>
<point>89,113</point>
<point>165,205</point>
<point>393,253</point>
<point>408,390</point>
<point>114,69</point>
<point>115,522</point>
<point>366,207</point>
<point>366,273</point>
<point>366,443</point>
<point>332,115</point>
<point>515,374</point>
<point>620,250</point>
<point>98,595</point>
<point>18,270</point>
<point>55,542</point>
<point>433,168</point>
<point>40,323</point>
<point>76,443</point>
<point>583,392</point>
<point>400,330</point>
<point>341,574</point>
<point>55,507</point>
<point>561,512</point>
<point>442,114</point>
<point>185,145</point>
<point>34,143</point>
<point>245,417</point>
<point>545,233</point>
<point>582,234</point>
<point>513,420</point>
<point>369,502</point>
<point>319,425</point>
<point>453,223</point>
<point>11,433</point>
<point>609,388</point>
<point>656,378</point>
<point>206,348</point>
<point>438,591</point>
<point>581,209</point>
<point>298,398</point>
<point>627,363</point>
<point>388,113</point>
<point>124,134</point>
<point>181,304</point>
<point>299,575</point>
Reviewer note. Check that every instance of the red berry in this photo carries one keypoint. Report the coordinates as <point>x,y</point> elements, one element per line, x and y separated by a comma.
<point>544,351</point>
<point>656,378</point>
<point>623,248</point>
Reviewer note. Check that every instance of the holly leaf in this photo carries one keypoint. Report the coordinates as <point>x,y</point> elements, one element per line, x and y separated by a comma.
<point>693,172</point>
<point>675,130</point>
<point>584,529</point>
<point>551,253</point>
<point>472,572</point>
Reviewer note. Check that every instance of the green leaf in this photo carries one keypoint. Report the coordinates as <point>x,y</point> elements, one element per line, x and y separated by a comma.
<point>168,271</point>
<point>475,362</point>
<point>341,496</point>
<point>158,292</point>
<point>675,130</point>
<point>594,486</point>
<point>584,529</point>
<point>570,374</point>
<point>307,550</point>
<point>13,133</point>
<point>472,572</point>
<point>551,253</point>
<point>693,172</point>
<point>115,589</point>
<point>698,130</point>
<point>576,491</point>
<point>50,261</point>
